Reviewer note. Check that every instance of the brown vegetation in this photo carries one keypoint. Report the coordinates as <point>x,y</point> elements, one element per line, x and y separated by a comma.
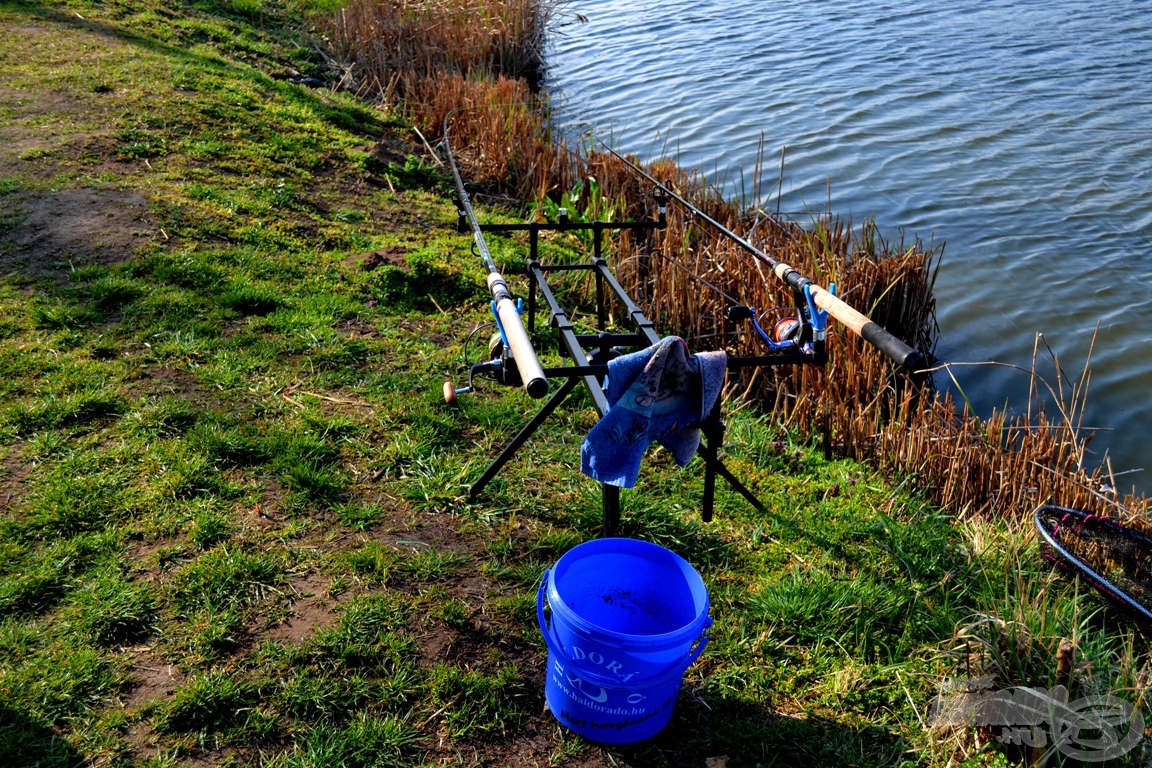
<point>475,61</point>
<point>474,64</point>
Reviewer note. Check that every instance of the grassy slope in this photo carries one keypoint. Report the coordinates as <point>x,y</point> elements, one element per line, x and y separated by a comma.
<point>234,530</point>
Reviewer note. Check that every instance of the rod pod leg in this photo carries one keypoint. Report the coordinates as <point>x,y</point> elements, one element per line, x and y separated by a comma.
<point>550,405</point>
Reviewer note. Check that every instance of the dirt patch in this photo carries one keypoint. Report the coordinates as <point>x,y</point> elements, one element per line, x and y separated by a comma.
<point>153,679</point>
<point>21,141</point>
<point>427,530</point>
<point>168,381</point>
<point>39,103</point>
<point>59,231</point>
<point>312,609</point>
<point>144,745</point>
<point>268,513</point>
<point>14,471</point>
<point>395,148</point>
<point>372,260</point>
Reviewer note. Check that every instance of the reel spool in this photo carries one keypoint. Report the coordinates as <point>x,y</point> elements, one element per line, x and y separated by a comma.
<point>786,329</point>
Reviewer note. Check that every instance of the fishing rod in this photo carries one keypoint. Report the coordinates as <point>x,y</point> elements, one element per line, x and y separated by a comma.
<point>896,350</point>
<point>516,345</point>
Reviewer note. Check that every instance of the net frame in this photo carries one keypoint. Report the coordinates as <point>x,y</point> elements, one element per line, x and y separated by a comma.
<point>1093,546</point>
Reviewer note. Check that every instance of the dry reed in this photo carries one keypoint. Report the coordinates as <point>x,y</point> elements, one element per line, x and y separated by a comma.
<point>397,45</point>
<point>475,64</point>
<point>996,467</point>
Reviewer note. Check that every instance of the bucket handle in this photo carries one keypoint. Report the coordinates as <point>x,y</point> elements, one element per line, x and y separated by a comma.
<point>553,642</point>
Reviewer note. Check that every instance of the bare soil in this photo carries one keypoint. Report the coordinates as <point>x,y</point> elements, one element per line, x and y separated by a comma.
<point>61,230</point>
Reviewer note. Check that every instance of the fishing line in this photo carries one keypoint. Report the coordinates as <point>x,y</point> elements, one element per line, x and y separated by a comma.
<point>729,297</point>
<point>472,335</point>
<point>732,300</point>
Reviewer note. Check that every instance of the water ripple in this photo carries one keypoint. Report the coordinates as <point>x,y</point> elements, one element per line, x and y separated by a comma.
<point>1016,132</point>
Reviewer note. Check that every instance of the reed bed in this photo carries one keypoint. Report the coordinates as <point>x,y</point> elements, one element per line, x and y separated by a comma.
<point>475,65</point>
<point>398,45</point>
<point>471,66</point>
<point>499,133</point>
<point>997,467</point>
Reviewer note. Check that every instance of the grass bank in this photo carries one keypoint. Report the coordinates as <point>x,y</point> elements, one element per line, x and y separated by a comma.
<point>233,524</point>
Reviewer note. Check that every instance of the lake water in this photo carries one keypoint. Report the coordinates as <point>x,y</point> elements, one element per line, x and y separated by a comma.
<point>1017,134</point>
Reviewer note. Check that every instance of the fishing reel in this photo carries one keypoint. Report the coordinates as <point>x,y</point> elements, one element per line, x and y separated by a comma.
<point>494,369</point>
<point>804,333</point>
<point>500,367</point>
<point>661,199</point>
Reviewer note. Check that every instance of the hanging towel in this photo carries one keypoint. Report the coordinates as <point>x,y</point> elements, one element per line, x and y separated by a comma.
<point>659,394</point>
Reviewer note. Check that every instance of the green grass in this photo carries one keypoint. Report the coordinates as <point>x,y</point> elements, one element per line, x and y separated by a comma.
<point>234,528</point>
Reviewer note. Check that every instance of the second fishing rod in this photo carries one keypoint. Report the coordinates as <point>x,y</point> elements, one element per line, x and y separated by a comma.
<point>907,358</point>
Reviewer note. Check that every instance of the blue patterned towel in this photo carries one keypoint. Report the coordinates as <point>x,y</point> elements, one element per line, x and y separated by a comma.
<point>659,394</point>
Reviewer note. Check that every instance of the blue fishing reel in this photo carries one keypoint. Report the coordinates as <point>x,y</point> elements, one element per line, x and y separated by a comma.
<point>809,326</point>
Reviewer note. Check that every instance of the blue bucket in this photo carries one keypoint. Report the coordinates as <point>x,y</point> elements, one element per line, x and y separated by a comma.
<point>628,619</point>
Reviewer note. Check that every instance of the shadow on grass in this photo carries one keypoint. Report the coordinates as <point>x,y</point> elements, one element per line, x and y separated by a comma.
<point>738,734</point>
<point>26,743</point>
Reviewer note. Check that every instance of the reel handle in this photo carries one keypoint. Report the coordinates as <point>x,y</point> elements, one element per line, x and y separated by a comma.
<point>451,392</point>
